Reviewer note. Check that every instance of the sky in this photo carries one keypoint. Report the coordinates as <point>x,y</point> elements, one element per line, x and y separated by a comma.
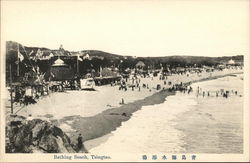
<point>127,27</point>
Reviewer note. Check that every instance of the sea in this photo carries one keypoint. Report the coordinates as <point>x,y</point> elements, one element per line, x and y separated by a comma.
<point>185,123</point>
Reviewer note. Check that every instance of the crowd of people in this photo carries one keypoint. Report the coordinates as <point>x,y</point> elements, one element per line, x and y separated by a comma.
<point>217,93</point>
<point>29,94</point>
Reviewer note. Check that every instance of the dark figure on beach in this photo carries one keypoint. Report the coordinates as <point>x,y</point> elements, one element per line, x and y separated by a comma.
<point>79,142</point>
<point>122,101</point>
<point>123,86</point>
<point>208,94</point>
<point>191,89</point>
<point>235,92</point>
<point>80,145</point>
<point>216,94</point>
<point>203,93</point>
<point>158,87</point>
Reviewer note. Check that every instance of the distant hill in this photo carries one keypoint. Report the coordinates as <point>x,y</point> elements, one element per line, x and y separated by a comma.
<point>11,49</point>
<point>99,53</point>
<point>98,59</point>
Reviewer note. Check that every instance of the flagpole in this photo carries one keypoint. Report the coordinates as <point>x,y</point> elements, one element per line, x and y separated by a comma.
<point>11,95</point>
<point>17,59</point>
<point>77,65</point>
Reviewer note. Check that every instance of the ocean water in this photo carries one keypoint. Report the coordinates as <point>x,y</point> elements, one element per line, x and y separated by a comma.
<point>185,123</point>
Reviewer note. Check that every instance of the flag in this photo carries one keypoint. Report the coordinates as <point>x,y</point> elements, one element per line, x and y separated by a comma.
<point>37,70</point>
<point>33,69</point>
<point>79,58</point>
<point>52,74</point>
<point>100,71</point>
<point>31,52</point>
<point>38,53</point>
<point>86,57</point>
<point>23,49</point>
<point>20,56</point>
<point>51,55</point>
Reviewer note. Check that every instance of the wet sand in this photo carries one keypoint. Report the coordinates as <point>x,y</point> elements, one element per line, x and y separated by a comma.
<point>109,120</point>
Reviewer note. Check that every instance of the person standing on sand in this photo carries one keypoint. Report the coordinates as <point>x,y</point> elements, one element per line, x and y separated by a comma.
<point>80,145</point>
<point>79,142</point>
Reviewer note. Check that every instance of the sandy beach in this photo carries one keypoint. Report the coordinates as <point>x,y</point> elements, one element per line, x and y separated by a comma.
<point>94,114</point>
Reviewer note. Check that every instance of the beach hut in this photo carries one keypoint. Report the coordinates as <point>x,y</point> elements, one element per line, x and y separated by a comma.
<point>59,71</point>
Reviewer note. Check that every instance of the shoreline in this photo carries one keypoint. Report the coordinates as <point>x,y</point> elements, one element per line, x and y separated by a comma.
<point>102,124</point>
<point>107,121</point>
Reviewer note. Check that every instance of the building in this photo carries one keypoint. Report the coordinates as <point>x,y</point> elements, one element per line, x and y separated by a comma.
<point>59,71</point>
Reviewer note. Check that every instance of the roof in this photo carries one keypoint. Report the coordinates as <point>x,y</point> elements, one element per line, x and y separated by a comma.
<point>140,63</point>
<point>231,62</point>
<point>59,62</point>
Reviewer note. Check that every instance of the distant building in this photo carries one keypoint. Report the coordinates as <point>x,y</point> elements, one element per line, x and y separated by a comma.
<point>231,62</point>
<point>41,54</point>
<point>62,52</point>
<point>140,65</point>
<point>46,56</point>
<point>86,56</point>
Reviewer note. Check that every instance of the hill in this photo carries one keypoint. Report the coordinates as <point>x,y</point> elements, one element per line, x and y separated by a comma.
<point>11,54</point>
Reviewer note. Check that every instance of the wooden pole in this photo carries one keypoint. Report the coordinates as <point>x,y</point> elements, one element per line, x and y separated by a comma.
<point>77,65</point>
<point>11,95</point>
<point>17,60</point>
